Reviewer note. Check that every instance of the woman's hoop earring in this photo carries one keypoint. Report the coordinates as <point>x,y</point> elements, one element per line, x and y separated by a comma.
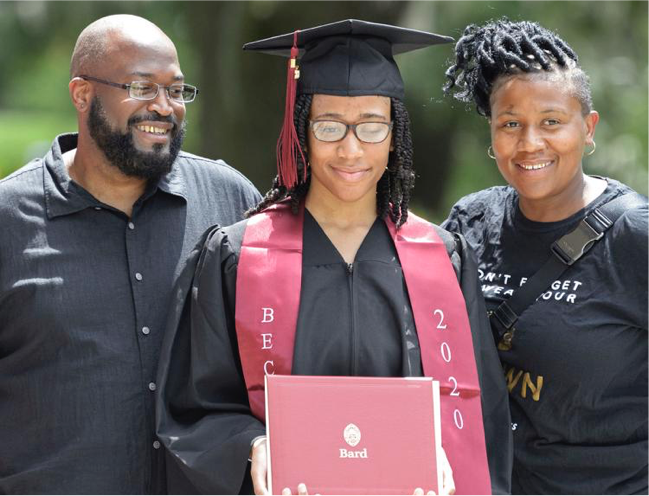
<point>593,150</point>
<point>490,152</point>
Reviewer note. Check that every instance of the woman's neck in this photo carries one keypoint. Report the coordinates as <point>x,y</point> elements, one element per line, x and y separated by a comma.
<point>581,193</point>
<point>330,211</point>
<point>346,224</point>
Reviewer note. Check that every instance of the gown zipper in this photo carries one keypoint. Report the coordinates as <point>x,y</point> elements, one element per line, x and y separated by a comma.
<point>350,272</point>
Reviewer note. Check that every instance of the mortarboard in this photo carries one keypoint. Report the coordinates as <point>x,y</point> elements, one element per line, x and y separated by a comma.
<point>344,58</point>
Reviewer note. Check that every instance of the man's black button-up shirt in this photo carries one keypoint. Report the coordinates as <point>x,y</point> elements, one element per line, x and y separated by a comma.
<point>83,297</point>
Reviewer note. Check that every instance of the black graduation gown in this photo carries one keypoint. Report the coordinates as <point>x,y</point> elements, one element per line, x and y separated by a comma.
<point>354,319</point>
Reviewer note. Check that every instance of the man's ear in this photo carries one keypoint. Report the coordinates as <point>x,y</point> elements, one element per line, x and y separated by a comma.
<point>81,94</point>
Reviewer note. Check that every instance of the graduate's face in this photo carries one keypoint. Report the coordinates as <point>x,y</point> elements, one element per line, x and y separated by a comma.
<point>538,134</point>
<point>348,170</point>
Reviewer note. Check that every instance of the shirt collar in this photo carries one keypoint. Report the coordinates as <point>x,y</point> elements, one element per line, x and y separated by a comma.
<point>174,183</point>
<point>63,196</point>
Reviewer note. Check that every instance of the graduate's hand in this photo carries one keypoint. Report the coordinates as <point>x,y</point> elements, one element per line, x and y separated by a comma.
<point>301,490</point>
<point>259,467</point>
<point>420,492</point>
<point>448,484</point>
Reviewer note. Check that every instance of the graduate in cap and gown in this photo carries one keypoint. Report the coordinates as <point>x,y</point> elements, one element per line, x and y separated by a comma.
<point>332,275</point>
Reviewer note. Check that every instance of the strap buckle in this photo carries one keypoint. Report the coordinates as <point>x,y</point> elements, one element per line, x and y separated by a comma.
<point>502,322</point>
<point>569,248</point>
<point>505,315</point>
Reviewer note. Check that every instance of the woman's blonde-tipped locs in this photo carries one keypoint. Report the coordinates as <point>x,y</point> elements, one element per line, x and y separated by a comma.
<point>504,48</point>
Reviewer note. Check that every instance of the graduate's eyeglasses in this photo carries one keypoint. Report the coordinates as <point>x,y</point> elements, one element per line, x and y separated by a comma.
<point>367,132</point>
<point>148,90</point>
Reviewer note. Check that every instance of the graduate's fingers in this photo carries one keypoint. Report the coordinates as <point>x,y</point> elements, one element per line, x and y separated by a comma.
<point>448,483</point>
<point>301,490</point>
<point>420,492</point>
<point>259,467</point>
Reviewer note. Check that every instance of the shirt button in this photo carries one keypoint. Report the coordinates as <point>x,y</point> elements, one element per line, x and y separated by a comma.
<point>138,276</point>
<point>97,208</point>
<point>146,330</point>
<point>131,226</point>
<point>152,386</point>
<point>156,444</point>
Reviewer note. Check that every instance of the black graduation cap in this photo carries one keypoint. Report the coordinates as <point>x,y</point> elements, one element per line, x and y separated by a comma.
<point>344,58</point>
<point>350,57</point>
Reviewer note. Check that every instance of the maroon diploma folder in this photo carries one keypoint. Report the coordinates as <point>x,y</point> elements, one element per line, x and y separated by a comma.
<point>353,435</point>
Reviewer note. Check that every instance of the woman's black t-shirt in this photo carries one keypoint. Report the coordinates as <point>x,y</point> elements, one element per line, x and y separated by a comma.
<point>577,370</point>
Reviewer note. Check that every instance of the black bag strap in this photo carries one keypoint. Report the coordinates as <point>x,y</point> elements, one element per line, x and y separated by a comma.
<point>565,252</point>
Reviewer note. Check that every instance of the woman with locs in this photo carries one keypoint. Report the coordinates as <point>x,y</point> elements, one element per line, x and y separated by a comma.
<point>332,275</point>
<point>576,358</point>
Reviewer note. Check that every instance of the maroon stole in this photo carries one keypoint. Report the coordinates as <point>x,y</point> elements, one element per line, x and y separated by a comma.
<point>267,303</point>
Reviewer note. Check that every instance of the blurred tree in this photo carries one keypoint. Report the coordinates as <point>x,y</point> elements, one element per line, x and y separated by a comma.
<point>239,110</point>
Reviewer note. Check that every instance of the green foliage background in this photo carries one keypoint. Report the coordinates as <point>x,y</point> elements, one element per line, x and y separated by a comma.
<point>239,110</point>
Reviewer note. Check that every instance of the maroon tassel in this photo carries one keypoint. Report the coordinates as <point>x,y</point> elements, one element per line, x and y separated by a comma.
<point>288,145</point>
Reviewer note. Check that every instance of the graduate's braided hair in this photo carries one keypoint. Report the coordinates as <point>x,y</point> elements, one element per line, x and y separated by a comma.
<point>399,180</point>
<point>504,48</point>
<point>279,192</point>
<point>394,187</point>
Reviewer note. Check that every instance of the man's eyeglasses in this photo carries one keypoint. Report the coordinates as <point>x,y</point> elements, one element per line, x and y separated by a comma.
<point>148,90</point>
<point>367,132</point>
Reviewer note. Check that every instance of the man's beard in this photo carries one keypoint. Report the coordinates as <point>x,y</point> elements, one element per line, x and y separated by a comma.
<point>121,151</point>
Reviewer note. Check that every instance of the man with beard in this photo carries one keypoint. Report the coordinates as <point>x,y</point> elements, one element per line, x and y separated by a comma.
<point>93,237</point>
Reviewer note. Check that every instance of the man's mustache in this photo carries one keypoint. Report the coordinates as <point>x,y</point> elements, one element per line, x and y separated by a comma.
<point>153,118</point>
